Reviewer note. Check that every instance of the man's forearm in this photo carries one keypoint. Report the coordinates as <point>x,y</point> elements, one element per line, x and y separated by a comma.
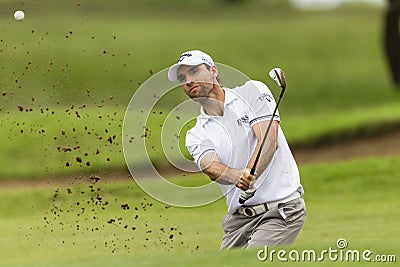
<point>221,173</point>
<point>267,151</point>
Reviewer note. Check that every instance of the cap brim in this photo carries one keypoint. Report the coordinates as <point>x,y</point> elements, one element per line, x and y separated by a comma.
<point>173,70</point>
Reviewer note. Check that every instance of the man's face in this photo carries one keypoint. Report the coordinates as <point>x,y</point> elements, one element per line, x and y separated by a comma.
<point>196,81</point>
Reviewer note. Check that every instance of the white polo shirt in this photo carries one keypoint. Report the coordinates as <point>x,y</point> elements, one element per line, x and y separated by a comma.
<point>231,136</point>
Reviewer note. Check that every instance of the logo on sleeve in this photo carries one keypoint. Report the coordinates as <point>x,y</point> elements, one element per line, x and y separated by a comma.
<point>192,149</point>
<point>244,119</point>
<point>266,97</point>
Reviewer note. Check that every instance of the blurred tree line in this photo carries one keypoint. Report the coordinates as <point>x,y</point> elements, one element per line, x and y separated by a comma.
<point>392,39</point>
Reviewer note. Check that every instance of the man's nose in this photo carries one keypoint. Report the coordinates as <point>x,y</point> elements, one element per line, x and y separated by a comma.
<point>189,80</point>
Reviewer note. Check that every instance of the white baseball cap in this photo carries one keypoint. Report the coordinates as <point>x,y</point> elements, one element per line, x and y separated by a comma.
<point>191,58</point>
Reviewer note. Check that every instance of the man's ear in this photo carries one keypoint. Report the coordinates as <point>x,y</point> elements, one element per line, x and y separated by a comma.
<point>214,71</point>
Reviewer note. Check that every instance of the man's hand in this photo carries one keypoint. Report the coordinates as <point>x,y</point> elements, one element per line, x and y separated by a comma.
<point>246,180</point>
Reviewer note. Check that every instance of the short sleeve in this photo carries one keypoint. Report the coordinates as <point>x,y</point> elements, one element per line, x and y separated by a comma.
<point>198,145</point>
<point>261,102</point>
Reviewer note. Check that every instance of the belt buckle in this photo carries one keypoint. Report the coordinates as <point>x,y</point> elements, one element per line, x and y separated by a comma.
<point>249,211</point>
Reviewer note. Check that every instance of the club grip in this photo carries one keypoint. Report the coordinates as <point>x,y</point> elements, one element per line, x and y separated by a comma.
<point>245,195</point>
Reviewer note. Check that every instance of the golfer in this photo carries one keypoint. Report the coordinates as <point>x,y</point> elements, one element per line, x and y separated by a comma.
<point>224,144</point>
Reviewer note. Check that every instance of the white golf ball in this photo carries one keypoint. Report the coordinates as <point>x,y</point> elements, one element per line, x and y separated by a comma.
<point>19,15</point>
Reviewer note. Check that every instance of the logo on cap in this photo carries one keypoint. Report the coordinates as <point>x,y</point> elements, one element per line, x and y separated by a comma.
<point>182,57</point>
<point>207,61</point>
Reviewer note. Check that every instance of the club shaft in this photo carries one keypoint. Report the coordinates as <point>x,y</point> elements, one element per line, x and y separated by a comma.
<point>253,169</point>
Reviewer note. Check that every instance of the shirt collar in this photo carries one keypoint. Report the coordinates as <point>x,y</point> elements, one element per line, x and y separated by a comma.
<point>229,98</point>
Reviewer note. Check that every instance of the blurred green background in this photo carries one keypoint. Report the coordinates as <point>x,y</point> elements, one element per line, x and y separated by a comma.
<point>69,70</point>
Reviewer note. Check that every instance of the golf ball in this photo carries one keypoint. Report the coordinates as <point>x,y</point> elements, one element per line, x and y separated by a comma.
<point>19,15</point>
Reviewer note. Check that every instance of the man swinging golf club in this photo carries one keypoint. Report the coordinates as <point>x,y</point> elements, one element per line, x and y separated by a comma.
<point>238,142</point>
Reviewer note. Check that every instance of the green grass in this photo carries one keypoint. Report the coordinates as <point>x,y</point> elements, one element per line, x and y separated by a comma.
<point>36,141</point>
<point>341,124</point>
<point>60,141</point>
<point>44,226</point>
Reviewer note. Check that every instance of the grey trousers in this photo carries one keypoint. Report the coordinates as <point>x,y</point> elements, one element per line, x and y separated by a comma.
<point>278,226</point>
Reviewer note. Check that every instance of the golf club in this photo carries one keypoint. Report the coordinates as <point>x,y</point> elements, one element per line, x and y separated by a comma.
<point>277,75</point>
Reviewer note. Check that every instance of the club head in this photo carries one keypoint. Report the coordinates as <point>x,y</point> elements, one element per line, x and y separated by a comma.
<point>278,76</point>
